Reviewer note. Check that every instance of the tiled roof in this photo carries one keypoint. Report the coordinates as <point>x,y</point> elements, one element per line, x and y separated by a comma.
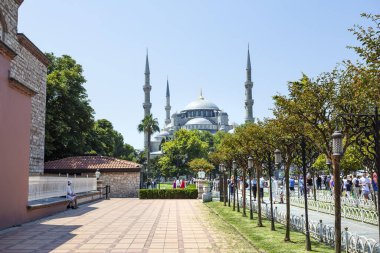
<point>90,162</point>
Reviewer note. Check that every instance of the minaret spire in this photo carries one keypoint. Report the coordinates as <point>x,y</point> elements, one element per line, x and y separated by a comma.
<point>167,107</point>
<point>248,91</point>
<point>147,105</point>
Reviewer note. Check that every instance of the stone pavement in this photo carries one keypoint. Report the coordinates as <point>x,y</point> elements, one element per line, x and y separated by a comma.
<point>124,225</point>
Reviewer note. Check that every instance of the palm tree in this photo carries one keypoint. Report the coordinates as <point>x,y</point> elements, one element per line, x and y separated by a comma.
<point>148,125</point>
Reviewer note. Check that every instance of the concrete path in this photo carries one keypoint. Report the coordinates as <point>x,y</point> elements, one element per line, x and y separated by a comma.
<point>124,225</point>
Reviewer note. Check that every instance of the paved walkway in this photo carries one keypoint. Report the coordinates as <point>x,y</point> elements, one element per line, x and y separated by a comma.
<point>124,225</point>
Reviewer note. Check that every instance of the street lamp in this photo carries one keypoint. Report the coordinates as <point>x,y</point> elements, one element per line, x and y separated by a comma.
<point>250,167</point>
<point>337,152</point>
<point>234,168</point>
<point>307,233</point>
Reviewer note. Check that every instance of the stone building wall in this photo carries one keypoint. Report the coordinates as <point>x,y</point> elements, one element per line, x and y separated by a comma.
<point>123,184</point>
<point>29,68</point>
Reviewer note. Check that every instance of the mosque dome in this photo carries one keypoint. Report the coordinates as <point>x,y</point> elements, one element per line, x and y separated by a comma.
<point>163,134</point>
<point>198,121</point>
<point>201,104</point>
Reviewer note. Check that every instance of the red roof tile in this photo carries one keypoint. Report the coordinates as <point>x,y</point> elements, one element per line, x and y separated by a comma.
<point>90,162</point>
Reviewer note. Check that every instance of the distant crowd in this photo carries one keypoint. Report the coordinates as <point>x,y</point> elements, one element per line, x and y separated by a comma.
<point>358,185</point>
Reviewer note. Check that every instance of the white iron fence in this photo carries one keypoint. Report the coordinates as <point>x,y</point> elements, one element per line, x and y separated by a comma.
<point>351,243</point>
<point>42,187</point>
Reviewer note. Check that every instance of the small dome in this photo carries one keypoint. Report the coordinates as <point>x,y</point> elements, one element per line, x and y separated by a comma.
<point>201,104</point>
<point>198,121</point>
<point>163,133</point>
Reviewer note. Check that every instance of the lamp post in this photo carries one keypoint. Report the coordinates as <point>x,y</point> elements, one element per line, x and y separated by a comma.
<point>270,192</point>
<point>307,233</point>
<point>222,170</point>
<point>337,149</point>
<point>234,171</point>
<point>250,167</point>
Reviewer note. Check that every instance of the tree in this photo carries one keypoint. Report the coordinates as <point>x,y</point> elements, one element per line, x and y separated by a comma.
<point>148,125</point>
<point>200,164</point>
<point>185,146</point>
<point>69,116</point>
<point>103,138</point>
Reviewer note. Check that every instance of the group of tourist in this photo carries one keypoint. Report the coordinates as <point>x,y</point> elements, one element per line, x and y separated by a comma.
<point>151,184</point>
<point>358,185</point>
<point>179,183</point>
<point>262,182</point>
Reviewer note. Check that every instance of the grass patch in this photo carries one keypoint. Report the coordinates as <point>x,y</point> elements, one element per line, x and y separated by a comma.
<point>261,237</point>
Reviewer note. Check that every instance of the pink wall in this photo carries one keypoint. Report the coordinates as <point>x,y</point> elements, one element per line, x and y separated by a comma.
<point>15,122</point>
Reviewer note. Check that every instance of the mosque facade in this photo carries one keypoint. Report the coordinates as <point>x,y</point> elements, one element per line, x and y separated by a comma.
<point>200,114</point>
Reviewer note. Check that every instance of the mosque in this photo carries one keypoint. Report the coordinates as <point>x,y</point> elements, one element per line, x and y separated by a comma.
<point>199,114</point>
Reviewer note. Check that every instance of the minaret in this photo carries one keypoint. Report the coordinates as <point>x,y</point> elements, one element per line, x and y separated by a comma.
<point>167,107</point>
<point>248,92</point>
<point>147,105</point>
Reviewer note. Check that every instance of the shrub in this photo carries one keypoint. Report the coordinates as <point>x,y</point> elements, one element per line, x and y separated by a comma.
<point>187,193</point>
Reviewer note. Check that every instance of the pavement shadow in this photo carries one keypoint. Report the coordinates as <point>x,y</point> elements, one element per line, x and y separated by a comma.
<point>36,237</point>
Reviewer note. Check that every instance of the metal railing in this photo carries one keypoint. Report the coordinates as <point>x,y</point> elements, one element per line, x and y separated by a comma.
<point>43,187</point>
<point>351,242</point>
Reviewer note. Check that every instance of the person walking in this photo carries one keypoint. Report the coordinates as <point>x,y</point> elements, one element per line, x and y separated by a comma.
<point>319,182</point>
<point>348,186</point>
<point>365,183</point>
<point>254,188</point>
<point>262,183</point>
<point>300,186</point>
<point>291,185</point>
<point>356,186</point>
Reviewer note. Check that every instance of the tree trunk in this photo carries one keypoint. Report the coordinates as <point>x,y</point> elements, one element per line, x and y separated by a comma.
<point>287,222</point>
<point>259,220</point>
<point>337,192</point>
<point>234,191</point>
<point>244,195</point>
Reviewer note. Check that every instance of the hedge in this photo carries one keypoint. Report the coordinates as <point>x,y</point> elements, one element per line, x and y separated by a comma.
<point>168,194</point>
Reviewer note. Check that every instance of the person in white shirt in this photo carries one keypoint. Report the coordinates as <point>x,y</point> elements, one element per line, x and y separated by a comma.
<point>274,186</point>
<point>71,196</point>
<point>177,183</point>
<point>365,183</point>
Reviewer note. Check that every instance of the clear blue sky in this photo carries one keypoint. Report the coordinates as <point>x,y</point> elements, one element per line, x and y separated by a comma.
<point>198,44</point>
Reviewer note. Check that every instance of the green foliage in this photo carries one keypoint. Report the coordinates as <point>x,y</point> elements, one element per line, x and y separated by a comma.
<point>185,147</point>
<point>69,116</point>
<point>187,193</point>
<point>70,127</point>
<point>200,164</point>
